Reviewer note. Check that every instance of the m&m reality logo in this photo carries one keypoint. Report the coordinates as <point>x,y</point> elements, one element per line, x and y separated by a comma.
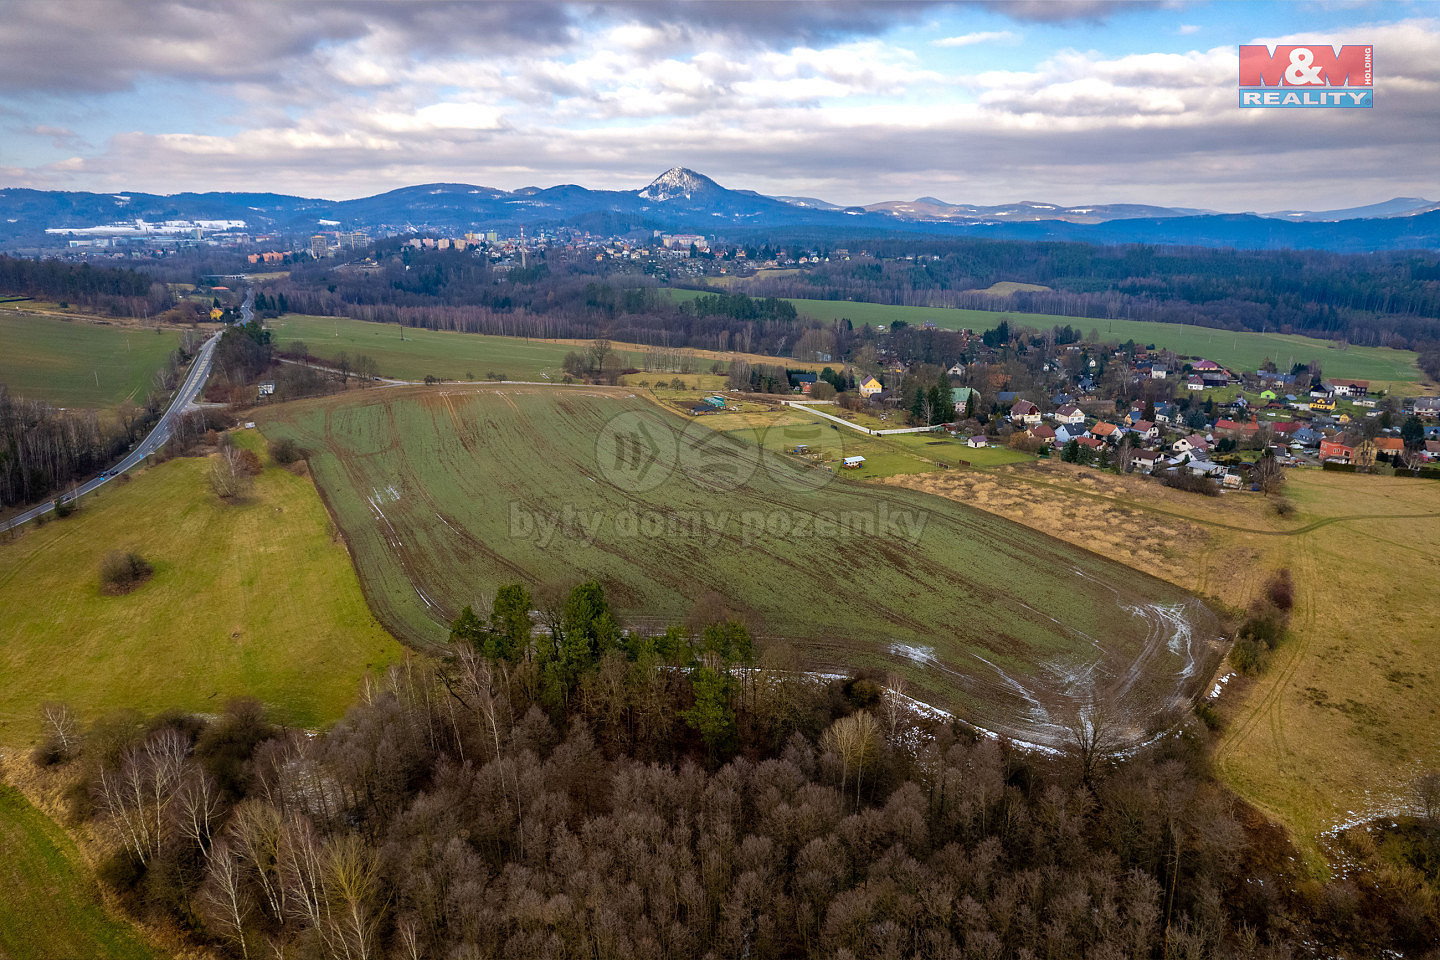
<point>1314,75</point>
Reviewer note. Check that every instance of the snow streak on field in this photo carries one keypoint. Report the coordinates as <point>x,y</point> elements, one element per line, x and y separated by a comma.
<point>443,495</point>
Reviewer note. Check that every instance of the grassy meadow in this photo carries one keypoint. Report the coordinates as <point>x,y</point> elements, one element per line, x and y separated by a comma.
<point>253,599</point>
<point>1240,351</point>
<point>446,493</point>
<point>79,363</point>
<point>49,904</point>
<point>450,355</point>
<point>440,353</point>
<point>1346,715</point>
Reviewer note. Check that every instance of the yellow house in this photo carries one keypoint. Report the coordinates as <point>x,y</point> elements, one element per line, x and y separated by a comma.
<point>1322,405</point>
<point>869,387</point>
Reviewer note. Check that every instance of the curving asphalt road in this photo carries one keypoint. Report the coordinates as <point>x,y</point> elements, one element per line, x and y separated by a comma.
<point>189,390</point>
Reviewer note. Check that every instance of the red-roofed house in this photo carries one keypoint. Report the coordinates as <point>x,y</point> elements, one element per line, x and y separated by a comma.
<point>1025,412</point>
<point>1389,445</point>
<point>1105,431</point>
<point>1069,414</point>
<point>1146,429</point>
<point>1191,444</point>
<point>1042,433</point>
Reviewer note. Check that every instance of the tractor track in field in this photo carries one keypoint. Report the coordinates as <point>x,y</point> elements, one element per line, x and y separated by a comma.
<point>1218,524</point>
<point>435,483</point>
<point>1265,713</point>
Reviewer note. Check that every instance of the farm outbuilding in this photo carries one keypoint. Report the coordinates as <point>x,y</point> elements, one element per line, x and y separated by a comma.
<point>852,463</point>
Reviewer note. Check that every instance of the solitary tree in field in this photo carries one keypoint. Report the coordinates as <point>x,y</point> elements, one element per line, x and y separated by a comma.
<point>1268,475</point>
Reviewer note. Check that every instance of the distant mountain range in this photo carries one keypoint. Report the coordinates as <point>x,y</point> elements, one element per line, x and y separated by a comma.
<point>681,200</point>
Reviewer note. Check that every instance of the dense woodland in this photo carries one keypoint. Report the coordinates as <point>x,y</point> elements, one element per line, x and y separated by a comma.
<point>117,293</point>
<point>1384,299</point>
<point>1387,299</point>
<point>593,793</point>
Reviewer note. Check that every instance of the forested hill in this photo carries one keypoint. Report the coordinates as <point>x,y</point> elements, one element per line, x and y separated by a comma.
<point>103,289</point>
<point>1388,299</point>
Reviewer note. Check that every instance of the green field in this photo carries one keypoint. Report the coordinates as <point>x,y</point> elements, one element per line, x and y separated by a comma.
<point>1238,351</point>
<point>76,363</point>
<point>439,353</point>
<point>888,456</point>
<point>255,599</point>
<point>446,493</point>
<point>49,906</point>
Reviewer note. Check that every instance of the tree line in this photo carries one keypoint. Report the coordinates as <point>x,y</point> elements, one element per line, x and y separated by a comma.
<point>1386,299</point>
<point>116,292</point>
<point>552,784</point>
<point>43,449</point>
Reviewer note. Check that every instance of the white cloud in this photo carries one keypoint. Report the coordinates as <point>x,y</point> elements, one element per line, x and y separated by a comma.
<point>852,120</point>
<point>1186,29</point>
<point>971,39</point>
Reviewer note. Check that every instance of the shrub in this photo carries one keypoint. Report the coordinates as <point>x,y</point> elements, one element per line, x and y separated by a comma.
<point>1247,656</point>
<point>1284,507</point>
<point>1185,480</point>
<point>1281,590</point>
<point>249,462</point>
<point>63,507</point>
<point>286,452</point>
<point>1208,714</point>
<point>121,572</point>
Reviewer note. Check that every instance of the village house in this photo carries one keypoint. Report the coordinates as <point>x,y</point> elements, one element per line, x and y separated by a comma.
<point>1146,430</point>
<point>1069,414</point>
<point>869,387</point>
<point>1336,449</point>
<point>1143,461</point>
<point>1069,431</point>
<point>1427,406</point>
<point>1194,444</point>
<point>962,396</point>
<point>1349,388</point>
<point>1106,431</point>
<point>1194,383</point>
<point>1389,445</point>
<point>1043,433</point>
<point>1024,412</point>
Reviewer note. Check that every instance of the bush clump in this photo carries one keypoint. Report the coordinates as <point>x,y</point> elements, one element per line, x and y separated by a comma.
<point>285,452</point>
<point>122,571</point>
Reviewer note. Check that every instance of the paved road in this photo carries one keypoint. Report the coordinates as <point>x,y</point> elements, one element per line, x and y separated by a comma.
<point>188,391</point>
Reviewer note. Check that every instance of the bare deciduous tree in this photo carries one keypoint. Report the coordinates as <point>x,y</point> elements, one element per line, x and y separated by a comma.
<point>196,806</point>
<point>223,898</point>
<point>1092,735</point>
<point>64,728</point>
<point>352,887</point>
<point>854,739</point>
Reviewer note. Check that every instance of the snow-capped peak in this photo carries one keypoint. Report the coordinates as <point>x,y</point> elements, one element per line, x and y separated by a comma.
<point>677,183</point>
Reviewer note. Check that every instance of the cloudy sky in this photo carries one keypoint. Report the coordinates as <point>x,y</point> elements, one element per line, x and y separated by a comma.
<point>853,102</point>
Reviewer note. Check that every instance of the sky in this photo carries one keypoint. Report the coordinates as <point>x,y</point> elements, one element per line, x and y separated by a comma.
<point>1088,101</point>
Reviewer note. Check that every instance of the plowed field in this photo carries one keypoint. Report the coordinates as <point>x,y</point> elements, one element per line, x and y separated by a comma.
<point>444,494</point>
